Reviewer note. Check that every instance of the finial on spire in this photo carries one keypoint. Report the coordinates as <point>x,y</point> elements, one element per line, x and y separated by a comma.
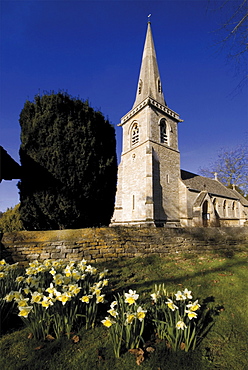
<point>149,16</point>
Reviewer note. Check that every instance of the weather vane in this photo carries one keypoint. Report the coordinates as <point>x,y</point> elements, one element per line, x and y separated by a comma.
<point>149,16</point>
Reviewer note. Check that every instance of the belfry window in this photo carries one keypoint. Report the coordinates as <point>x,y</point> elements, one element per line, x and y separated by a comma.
<point>163,132</point>
<point>135,134</point>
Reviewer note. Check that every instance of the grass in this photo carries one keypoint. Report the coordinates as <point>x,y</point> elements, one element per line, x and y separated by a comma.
<point>223,279</point>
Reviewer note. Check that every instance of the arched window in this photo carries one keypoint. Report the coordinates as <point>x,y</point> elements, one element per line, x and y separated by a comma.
<point>224,209</point>
<point>135,134</point>
<point>164,132</point>
<point>234,209</point>
<point>140,86</point>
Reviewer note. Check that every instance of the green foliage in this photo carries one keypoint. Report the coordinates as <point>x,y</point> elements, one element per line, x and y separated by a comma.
<point>68,157</point>
<point>10,220</point>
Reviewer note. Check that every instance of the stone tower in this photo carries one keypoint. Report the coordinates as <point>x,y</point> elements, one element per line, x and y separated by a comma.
<point>149,172</point>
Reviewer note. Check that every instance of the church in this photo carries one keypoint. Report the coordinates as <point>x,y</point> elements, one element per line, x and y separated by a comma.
<point>152,190</point>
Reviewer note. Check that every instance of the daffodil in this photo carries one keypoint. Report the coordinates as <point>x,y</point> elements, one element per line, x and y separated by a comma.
<point>113,304</point>
<point>3,262</point>
<point>107,322</point>
<point>130,318</point>
<point>2,274</point>
<point>191,314</point>
<point>103,273</point>
<point>141,313</point>
<point>100,298</point>
<point>22,302</point>
<point>155,296</point>
<point>24,311</point>
<point>47,302</point>
<point>171,305</point>
<point>63,298</point>
<point>9,297</point>
<point>181,325</point>
<point>194,306</point>
<point>19,279</point>
<point>131,296</point>
<point>180,296</point>
<point>113,312</point>
<point>36,297</point>
<point>58,279</point>
<point>86,298</point>
<point>187,293</point>
<point>105,282</point>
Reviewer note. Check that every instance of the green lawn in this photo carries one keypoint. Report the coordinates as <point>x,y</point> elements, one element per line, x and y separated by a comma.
<point>221,279</point>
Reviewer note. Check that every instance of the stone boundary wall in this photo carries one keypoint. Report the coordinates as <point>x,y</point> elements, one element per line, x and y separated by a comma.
<point>106,244</point>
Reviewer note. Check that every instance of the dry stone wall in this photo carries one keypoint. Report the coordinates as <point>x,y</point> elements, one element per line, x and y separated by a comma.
<point>105,244</point>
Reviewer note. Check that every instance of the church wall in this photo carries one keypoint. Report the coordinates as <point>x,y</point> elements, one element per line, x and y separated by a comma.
<point>107,244</point>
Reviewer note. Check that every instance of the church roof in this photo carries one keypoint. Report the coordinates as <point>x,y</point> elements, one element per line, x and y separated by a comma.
<point>149,84</point>
<point>200,183</point>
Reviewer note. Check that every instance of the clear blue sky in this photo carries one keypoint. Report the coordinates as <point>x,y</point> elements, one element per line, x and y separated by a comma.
<point>92,50</point>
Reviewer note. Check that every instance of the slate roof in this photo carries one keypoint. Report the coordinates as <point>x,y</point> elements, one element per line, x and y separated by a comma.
<point>213,187</point>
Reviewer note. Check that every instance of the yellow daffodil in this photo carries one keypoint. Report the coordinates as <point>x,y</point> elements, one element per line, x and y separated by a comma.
<point>36,297</point>
<point>181,325</point>
<point>63,298</point>
<point>2,275</point>
<point>46,302</point>
<point>9,297</point>
<point>103,273</point>
<point>107,322</point>
<point>130,318</point>
<point>171,305</point>
<point>24,311</point>
<point>191,314</point>
<point>131,296</point>
<point>22,302</point>
<point>3,262</point>
<point>141,313</point>
<point>105,282</point>
<point>58,279</point>
<point>19,279</point>
<point>194,306</point>
<point>86,298</point>
<point>100,298</point>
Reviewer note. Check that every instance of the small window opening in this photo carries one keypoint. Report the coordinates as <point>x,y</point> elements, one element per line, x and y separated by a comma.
<point>140,87</point>
<point>135,134</point>
<point>133,201</point>
<point>163,132</point>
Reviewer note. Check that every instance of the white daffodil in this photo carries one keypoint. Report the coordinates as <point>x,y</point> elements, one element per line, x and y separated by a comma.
<point>155,296</point>
<point>187,293</point>
<point>181,325</point>
<point>180,296</point>
<point>131,296</point>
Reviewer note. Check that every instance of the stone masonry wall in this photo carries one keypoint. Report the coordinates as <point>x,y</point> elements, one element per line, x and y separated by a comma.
<point>106,244</point>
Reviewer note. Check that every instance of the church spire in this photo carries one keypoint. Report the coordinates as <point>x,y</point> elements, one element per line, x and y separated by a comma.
<point>149,84</point>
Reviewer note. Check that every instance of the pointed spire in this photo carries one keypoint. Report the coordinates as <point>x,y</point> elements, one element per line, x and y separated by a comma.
<point>149,84</point>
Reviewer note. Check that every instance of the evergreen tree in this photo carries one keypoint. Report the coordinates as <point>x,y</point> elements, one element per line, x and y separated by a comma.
<point>69,164</point>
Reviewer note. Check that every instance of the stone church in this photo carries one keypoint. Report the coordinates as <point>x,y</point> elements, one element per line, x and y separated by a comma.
<point>152,190</point>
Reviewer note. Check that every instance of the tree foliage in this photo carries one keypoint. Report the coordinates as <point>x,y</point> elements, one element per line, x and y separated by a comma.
<point>231,167</point>
<point>10,220</point>
<point>69,165</point>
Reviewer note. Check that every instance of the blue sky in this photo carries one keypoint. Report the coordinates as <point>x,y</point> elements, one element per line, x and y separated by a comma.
<point>93,49</point>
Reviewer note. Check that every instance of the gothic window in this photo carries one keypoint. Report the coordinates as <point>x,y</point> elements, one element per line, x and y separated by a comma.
<point>163,132</point>
<point>234,209</point>
<point>135,134</point>
<point>140,86</point>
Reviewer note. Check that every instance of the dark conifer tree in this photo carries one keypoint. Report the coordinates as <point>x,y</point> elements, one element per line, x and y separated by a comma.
<point>69,164</point>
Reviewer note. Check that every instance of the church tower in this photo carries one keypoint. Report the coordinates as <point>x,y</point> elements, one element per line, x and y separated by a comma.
<point>149,172</point>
